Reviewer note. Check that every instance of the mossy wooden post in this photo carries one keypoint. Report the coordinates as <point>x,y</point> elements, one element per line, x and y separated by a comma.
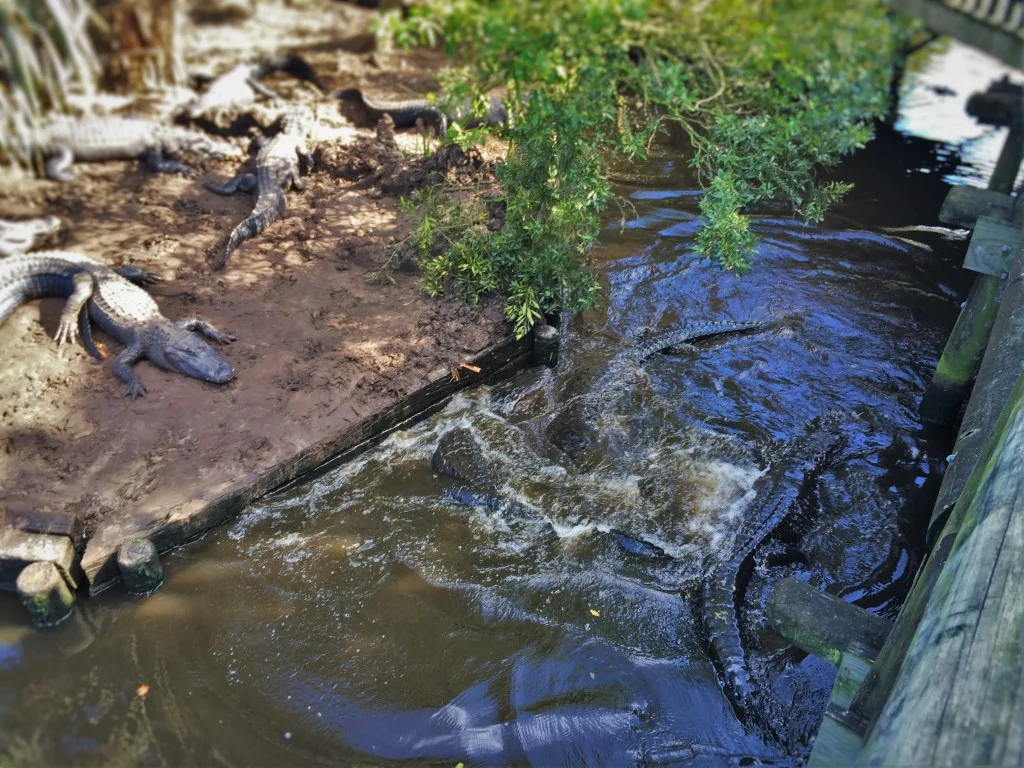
<point>545,345</point>
<point>45,594</point>
<point>951,381</point>
<point>140,566</point>
<point>997,375</point>
<point>956,699</point>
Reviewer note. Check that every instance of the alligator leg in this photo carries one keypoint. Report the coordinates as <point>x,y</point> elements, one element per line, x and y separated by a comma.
<point>297,181</point>
<point>67,328</point>
<point>156,162</point>
<point>123,367</point>
<point>57,166</point>
<point>85,329</point>
<point>137,275</point>
<point>196,325</point>
<point>243,181</point>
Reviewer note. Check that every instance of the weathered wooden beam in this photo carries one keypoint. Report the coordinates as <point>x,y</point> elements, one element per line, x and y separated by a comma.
<point>1009,160</point>
<point>841,733</point>
<point>991,250</point>
<point>997,42</point>
<point>19,549</point>
<point>963,206</point>
<point>957,696</point>
<point>1000,367</point>
<point>821,624</point>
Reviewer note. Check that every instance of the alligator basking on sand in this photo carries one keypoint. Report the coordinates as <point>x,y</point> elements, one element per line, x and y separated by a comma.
<point>64,140</point>
<point>113,300</point>
<point>21,236</point>
<point>238,87</point>
<point>811,455</point>
<point>574,427</point>
<point>407,112</point>
<point>277,167</point>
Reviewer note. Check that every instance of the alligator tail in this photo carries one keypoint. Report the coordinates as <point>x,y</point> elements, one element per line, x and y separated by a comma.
<point>724,631</point>
<point>269,205</point>
<point>691,332</point>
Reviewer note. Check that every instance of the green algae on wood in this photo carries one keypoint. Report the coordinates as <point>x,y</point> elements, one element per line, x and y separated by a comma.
<point>45,594</point>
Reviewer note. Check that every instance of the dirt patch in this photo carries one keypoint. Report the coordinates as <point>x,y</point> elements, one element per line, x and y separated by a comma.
<point>320,346</point>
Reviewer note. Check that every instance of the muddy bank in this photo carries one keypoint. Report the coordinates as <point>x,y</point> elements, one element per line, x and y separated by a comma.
<point>321,346</point>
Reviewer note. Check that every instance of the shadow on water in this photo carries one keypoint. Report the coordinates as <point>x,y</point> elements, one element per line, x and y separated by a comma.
<point>378,614</point>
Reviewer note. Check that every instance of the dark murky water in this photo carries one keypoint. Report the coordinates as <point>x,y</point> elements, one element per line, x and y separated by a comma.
<point>368,616</point>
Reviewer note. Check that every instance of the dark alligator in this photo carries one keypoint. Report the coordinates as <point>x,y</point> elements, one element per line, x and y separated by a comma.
<point>277,167</point>
<point>113,300</point>
<point>574,429</point>
<point>406,112</point>
<point>64,140</point>
<point>238,87</point>
<point>21,236</point>
<point>798,470</point>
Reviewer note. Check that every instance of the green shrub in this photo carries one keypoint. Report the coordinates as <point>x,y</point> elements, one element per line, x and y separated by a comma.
<point>768,93</point>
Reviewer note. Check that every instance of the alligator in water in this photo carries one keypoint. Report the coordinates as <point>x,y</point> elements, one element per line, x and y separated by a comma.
<point>238,87</point>
<point>64,140</point>
<point>118,306</point>
<point>277,167</point>
<point>811,455</point>
<point>576,425</point>
<point>406,112</point>
<point>21,236</point>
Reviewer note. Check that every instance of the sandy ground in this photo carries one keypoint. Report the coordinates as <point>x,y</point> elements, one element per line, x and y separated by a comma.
<point>320,345</point>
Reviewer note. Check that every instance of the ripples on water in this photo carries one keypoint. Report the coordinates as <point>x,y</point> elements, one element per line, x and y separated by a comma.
<point>366,617</point>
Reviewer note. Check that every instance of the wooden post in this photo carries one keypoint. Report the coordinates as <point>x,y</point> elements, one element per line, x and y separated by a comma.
<point>822,624</point>
<point>45,594</point>
<point>956,696</point>
<point>996,377</point>
<point>140,566</point>
<point>966,346</point>
<point>545,345</point>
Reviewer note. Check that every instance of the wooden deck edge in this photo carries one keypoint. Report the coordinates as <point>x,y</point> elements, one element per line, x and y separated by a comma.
<point>184,522</point>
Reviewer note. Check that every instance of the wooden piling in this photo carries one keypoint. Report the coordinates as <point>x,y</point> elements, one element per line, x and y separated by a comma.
<point>545,345</point>
<point>45,594</point>
<point>140,566</point>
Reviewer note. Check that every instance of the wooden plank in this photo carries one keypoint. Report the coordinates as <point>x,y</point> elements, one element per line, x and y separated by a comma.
<point>991,251</point>
<point>963,206</point>
<point>822,624</point>
<point>840,736</point>
<point>178,524</point>
<point>19,549</point>
<point>1003,45</point>
<point>959,698</point>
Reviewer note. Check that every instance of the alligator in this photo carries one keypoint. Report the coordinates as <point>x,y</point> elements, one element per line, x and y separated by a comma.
<point>21,236</point>
<point>113,300</point>
<point>407,112</point>
<point>810,455</point>
<point>238,87</point>
<point>575,426</point>
<point>277,167</point>
<point>64,139</point>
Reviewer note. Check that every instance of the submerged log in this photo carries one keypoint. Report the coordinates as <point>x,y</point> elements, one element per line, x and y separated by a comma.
<point>45,594</point>
<point>821,624</point>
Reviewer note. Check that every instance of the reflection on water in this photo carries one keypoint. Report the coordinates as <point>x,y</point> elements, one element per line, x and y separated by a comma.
<point>381,613</point>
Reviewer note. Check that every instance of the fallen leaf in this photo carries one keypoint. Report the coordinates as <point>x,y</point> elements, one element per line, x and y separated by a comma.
<point>142,690</point>
<point>595,613</point>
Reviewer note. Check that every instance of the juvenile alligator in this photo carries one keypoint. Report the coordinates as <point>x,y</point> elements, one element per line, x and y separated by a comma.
<point>575,426</point>
<point>118,306</point>
<point>405,113</point>
<point>238,87</point>
<point>810,456</point>
<point>64,140</point>
<point>21,236</point>
<point>277,167</point>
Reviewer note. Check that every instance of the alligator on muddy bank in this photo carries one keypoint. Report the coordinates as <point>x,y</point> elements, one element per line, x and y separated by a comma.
<point>276,168</point>
<point>407,112</point>
<point>112,299</point>
<point>64,140</point>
